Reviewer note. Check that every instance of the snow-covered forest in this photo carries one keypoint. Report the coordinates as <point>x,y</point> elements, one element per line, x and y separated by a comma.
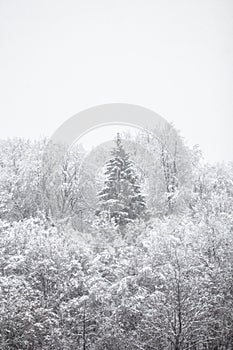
<point>135,254</point>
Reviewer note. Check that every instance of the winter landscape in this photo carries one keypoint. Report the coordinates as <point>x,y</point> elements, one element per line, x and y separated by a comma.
<point>127,247</point>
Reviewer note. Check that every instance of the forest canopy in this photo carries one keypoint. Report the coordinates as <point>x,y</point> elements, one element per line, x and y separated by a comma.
<point>70,280</point>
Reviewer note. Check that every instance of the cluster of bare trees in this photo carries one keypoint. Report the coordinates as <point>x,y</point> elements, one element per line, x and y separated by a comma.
<point>171,288</point>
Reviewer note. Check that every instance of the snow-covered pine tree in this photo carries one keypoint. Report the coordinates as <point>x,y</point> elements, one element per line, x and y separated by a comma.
<point>121,196</point>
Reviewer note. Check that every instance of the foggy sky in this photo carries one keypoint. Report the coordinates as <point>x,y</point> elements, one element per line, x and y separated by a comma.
<point>59,57</point>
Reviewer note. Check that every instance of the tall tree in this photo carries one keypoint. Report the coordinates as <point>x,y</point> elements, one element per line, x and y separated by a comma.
<point>121,195</point>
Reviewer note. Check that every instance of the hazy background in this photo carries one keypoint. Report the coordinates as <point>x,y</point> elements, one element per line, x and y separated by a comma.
<point>59,57</point>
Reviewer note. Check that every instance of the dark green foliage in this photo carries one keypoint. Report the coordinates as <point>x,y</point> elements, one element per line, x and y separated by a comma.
<point>121,196</point>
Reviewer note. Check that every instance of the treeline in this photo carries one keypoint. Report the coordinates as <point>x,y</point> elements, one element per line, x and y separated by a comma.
<point>167,284</point>
<point>35,178</point>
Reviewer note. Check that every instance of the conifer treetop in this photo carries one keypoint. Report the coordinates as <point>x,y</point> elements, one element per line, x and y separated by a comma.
<point>121,195</point>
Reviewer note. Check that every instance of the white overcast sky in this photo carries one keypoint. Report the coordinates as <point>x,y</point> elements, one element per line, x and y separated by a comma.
<point>175,57</point>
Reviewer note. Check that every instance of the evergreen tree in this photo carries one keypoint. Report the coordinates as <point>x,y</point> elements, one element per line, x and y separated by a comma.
<point>121,196</point>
